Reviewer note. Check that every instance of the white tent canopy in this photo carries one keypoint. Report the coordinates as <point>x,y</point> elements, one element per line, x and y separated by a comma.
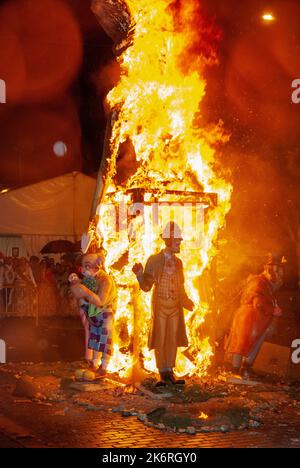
<point>57,208</point>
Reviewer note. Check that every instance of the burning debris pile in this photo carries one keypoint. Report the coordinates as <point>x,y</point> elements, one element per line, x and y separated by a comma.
<point>174,171</point>
<point>220,419</point>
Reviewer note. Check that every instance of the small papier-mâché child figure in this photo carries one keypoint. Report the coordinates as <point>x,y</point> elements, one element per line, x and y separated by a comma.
<point>99,315</point>
<point>84,297</point>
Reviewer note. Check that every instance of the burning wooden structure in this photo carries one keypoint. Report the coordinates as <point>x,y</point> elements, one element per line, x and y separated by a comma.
<point>155,107</point>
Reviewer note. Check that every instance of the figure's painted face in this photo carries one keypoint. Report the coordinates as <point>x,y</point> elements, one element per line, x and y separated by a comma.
<point>278,274</point>
<point>275,275</point>
<point>89,269</point>
<point>73,279</point>
<point>175,245</point>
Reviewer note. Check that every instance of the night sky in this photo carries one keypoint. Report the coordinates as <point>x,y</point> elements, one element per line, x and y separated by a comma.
<point>57,63</point>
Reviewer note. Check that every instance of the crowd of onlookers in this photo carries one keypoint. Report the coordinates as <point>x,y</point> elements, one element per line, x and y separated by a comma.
<point>36,286</point>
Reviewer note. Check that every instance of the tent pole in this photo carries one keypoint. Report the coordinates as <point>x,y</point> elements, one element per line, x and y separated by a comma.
<point>105,173</point>
<point>101,182</point>
<point>115,18</point>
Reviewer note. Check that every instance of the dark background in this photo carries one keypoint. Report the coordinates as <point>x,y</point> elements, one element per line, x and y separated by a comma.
<point>58,66</point>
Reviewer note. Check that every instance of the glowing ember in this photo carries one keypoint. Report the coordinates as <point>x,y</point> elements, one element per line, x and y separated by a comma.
<point>157,106</point>
<point>203,415</point>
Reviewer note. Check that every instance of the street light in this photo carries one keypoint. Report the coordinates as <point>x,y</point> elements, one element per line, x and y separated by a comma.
<point>268,17</point>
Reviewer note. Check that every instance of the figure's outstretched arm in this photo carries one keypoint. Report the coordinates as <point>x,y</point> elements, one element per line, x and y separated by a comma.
<point>146,278</point>
<point>265,306</point>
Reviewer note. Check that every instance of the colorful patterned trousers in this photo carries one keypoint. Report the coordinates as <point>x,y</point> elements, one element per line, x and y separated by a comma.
<point>100,335</point>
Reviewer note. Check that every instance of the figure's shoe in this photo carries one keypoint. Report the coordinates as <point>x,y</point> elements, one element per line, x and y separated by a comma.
<point>171,378</point>
<point>100,373</point>
<point>247,373</point>
<point>90,365</point>
<point>162,382</point>
<point>233,375</point>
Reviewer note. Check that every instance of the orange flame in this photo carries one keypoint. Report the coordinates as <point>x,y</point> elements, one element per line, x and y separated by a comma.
<point>157,103</point>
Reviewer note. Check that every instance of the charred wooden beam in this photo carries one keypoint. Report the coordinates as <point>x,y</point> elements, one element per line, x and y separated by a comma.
<point>182,196</point>
<point>105,166</point>
<point>116,20</point>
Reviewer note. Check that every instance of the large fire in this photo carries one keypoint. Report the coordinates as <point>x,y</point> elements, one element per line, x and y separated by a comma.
<point>156,107</point>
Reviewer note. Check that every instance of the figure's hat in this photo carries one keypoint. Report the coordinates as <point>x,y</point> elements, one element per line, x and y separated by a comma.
<point>94,259</point>
<point>172,231</point>
<point>89,258</point>
<point>275,260</point>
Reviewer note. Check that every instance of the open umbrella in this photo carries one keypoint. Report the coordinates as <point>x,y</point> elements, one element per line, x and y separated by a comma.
<point>59,246</point>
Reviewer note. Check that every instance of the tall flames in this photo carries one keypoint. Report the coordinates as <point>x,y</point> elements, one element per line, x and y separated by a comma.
<point>157,108</point>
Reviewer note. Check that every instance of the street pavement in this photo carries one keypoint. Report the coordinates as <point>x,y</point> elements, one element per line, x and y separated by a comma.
<point>81,429</point>
<point>29,422</point>
<point>92,420</point>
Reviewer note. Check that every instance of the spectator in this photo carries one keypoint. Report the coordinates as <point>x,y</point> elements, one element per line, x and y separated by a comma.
<point>47,290</point>
<point>23,298</point>
<point>35,267</point>
<point>9,279</point>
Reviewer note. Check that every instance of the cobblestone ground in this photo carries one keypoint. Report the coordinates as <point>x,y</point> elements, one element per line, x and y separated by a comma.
<point>27,423</point>
<point>42,428</point>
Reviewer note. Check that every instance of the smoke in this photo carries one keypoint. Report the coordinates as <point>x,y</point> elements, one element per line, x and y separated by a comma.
<point>251,92</point>
<point>263,216</point>
<point>204,35</point>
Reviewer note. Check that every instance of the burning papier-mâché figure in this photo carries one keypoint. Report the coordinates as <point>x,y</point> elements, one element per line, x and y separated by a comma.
<point>253,319</point>
<point>97,310</point>
<point>164,271</point>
